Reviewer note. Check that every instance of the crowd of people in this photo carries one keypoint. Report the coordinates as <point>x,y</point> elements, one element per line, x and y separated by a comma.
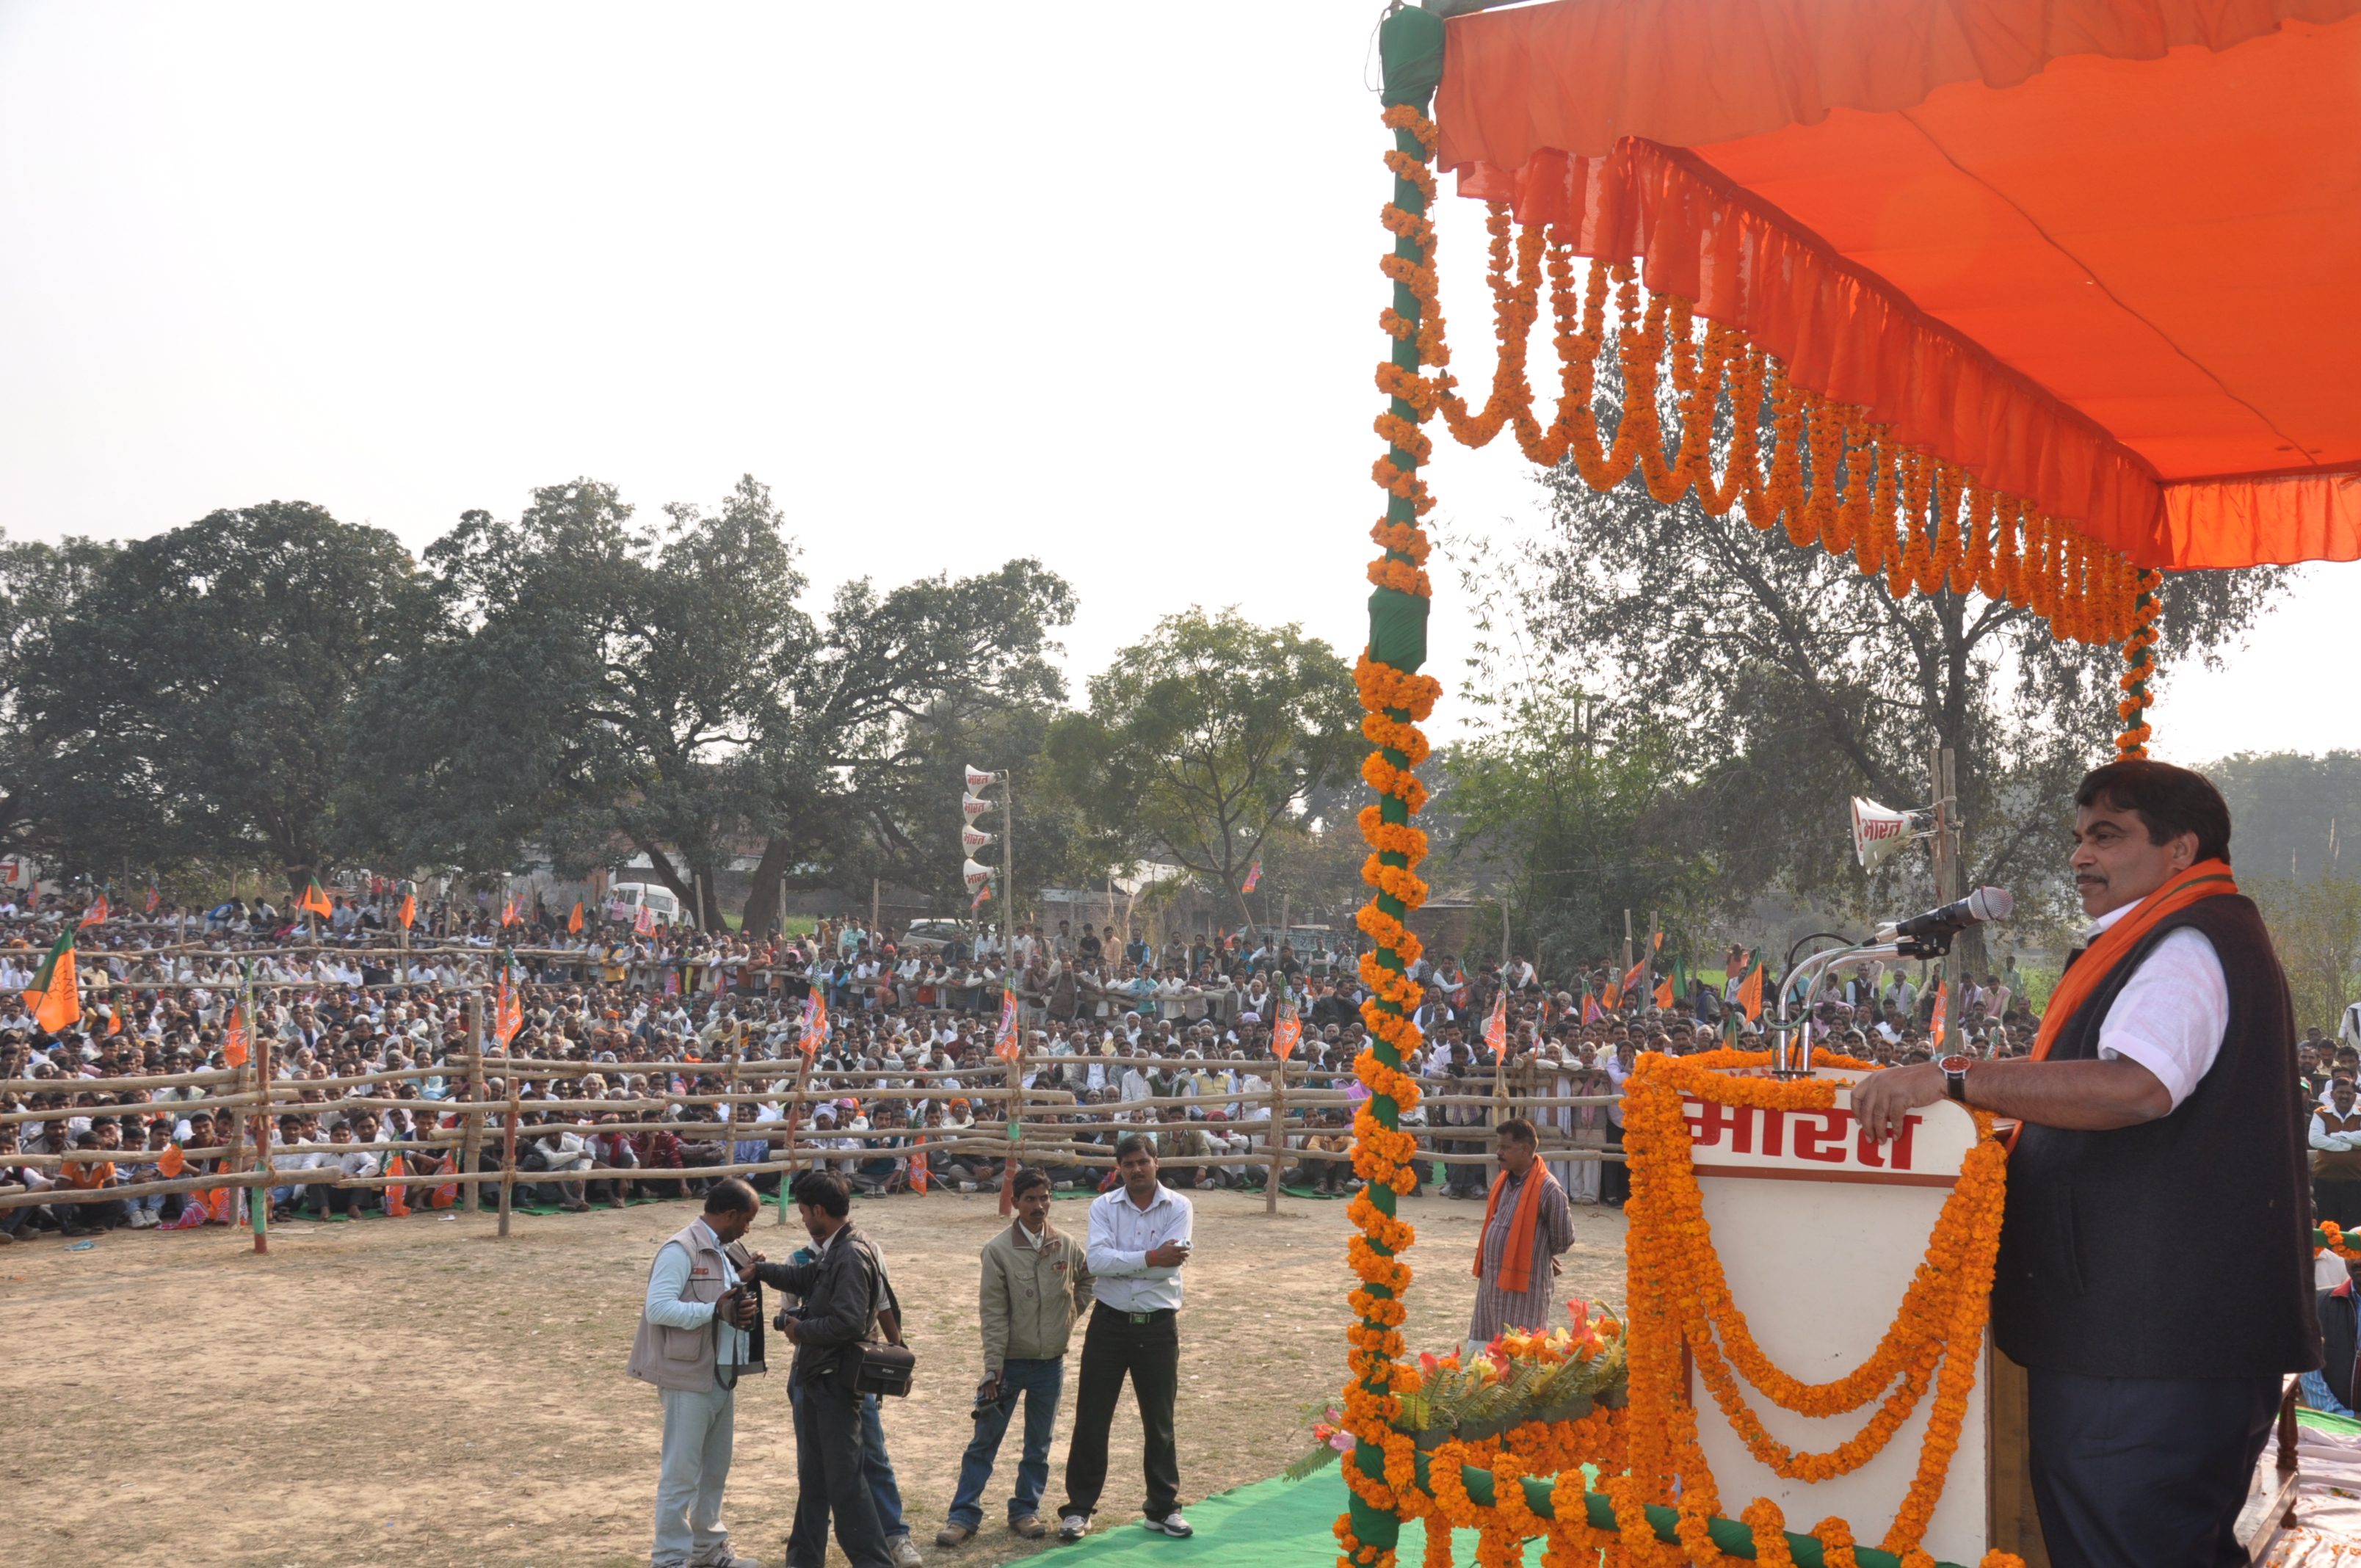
<point>672,1056</point>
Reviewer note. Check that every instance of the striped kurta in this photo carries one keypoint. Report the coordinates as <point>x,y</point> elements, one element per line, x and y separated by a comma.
<point>1552,1233</point>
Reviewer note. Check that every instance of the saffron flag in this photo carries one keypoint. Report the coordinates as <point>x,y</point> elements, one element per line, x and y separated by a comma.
<point>54,999</point>
<point>1664,993</point>
<point>815,1023</point>
<point>508,1011</point>
<point>1632,977</point>
<point>448,1192</point>
<point>1942,1005</point>
<point>919,1167</point>
<point>509,915</point>
<point>313,901</point>
<point>1656,943</point>
<point>1254,875</point>
<point>397,1199</point>
<point>645,922</point>
<point>981,894</point>
<point>1614,994</point>
<point>154,898</point>
<point>574,921</point>
<point>1287,1032</point>
<point>1591,1011</point>
<point>96,913</point>
<point>1008,1040</point>
<point>172,1162</point>
<point>234,1039</point>
<point>408,909</point>
<point>1496,1027</point>
<point>1750,993</point>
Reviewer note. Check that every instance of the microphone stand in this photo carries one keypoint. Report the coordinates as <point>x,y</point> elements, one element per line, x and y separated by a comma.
<point>1791,1057</point>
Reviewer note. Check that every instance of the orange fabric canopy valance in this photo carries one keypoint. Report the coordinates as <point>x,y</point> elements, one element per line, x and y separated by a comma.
<point>2106,255</point>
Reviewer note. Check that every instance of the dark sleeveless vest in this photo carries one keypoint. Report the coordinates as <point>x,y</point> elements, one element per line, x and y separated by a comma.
<point>2181,1247</point>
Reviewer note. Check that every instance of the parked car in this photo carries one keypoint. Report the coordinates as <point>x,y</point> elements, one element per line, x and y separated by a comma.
<point>932,936</point>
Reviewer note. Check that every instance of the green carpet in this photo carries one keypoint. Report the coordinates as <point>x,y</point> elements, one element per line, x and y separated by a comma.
<point>1286,1524</point>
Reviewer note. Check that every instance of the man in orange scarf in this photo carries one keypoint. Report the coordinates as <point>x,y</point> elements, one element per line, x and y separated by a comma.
<point>2155,1271</point>
<point>1526,1225</point>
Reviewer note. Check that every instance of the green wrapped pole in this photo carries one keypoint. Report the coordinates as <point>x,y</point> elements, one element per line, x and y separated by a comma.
<point>1733,1538</point>
<point>1410,45</point>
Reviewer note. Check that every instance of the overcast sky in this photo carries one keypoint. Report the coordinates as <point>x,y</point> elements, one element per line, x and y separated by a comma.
<point>1091,282</point>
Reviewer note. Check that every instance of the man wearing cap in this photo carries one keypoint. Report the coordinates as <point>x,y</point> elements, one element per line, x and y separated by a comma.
<point>2154,1270</point>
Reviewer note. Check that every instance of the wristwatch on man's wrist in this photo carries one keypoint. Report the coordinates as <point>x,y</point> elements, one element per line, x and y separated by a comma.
<point>1955,1077</point>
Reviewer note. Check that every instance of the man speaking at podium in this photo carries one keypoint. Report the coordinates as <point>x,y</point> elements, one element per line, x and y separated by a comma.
<point>2155,1271</point>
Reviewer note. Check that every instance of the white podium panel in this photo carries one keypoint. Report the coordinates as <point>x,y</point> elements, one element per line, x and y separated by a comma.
<point>1819,1232</point>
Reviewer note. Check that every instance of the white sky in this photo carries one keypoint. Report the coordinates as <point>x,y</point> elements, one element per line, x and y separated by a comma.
<point>1094,282</point>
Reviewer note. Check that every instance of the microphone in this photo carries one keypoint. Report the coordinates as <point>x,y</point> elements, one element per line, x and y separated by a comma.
<point>1985,903</point>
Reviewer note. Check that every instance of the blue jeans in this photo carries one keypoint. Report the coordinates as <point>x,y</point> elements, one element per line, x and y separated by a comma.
<point>1041,1382</point>
<point>875,1466</point>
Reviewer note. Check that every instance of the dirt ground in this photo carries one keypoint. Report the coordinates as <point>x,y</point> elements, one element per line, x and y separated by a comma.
<point>421,1392</point>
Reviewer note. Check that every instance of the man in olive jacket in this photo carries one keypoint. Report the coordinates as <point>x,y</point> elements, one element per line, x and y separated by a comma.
<point>1034,1283</point>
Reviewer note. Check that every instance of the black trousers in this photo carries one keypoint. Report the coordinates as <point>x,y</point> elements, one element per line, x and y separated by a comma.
<point>1150,1351</point>
<point>830,1479</point>
<point>1614,1176</point>
<point>2336,1200</point>
<point>2144,1472</point>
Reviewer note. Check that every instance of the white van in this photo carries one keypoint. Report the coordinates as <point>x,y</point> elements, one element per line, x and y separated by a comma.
<point>625,899</point>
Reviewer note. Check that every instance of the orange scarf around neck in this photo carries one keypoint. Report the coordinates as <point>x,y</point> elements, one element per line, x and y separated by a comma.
<point>2206,879</point>
<point>1517,1258</point>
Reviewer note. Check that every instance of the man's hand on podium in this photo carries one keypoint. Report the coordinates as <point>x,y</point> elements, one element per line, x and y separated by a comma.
<point>1885,1097</point>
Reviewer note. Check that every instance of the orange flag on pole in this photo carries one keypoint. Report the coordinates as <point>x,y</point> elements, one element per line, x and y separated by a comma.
<point>1665,991</point>
<point>408,909</point>
<point>96,913</point>
<point>1750,993</point>
<point>396,1198</point>
<point>313,901</point>
<point>574,921</point>
<point>55,1000</point>
<point>233,1039</point>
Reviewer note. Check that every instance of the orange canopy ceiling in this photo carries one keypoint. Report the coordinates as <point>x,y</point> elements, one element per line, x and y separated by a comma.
<point>2106,254</point>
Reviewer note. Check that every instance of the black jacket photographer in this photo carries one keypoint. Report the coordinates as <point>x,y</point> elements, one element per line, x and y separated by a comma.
<point>844,1292</point>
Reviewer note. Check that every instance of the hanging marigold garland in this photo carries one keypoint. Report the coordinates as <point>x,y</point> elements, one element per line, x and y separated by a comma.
<point>2139,665</point>
<point>1832,477</point>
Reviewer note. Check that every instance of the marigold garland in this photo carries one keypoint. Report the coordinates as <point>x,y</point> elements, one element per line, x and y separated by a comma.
<point>1830,477</point>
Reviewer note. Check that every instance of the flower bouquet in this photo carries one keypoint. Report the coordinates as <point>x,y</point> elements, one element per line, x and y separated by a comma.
<point>1482,1390</point>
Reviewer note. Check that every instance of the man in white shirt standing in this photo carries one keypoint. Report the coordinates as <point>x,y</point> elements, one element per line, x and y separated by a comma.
<point>1138,1241</point>
<point>691,1343</point>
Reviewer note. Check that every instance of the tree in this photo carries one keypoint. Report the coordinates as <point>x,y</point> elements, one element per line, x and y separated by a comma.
<point>602,688</point>
<point>1570,830</point>
<point>2316,926</point>
<point>1783,682</point>
<point>184,695</point>
<point>2290,812</point>
<point>1204,736</point>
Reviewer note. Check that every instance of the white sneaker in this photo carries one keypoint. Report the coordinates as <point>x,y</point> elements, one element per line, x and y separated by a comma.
<point>905,1552</point>
<point>1074,1527</point>
<point>1171,1524</point>
<point>142,1219</point>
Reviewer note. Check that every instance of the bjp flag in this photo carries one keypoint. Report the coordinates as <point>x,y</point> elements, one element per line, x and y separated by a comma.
<point>96,912</point>
<point>408,909</point>
<point>234,1038</point>
<point>918,1172</point>
<point>1665,991</point>
<point>1750,993</point>
<point>574,921</point>
<point>397,1201</point>
<point>154,898</point>
<point>55,1000</point>
<point>313,901</point>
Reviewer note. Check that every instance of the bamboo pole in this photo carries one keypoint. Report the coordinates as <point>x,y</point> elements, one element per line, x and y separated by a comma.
<point>508,1156</point>
<point>1278,1137</point>
<point>471,1158</point>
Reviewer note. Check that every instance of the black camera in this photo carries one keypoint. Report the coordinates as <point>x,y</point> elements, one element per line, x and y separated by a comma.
<point>786,1315</point>
<point>1005,1400</point>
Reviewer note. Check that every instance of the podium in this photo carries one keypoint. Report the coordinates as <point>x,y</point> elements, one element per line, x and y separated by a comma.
<point>1819,1231</point>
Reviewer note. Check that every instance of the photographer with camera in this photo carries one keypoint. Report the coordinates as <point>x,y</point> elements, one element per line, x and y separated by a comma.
<point>693,1343</point>
<point>1035,1282</point>
<point>835,1334</point>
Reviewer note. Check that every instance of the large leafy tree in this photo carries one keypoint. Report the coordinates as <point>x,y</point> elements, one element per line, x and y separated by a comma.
<point>183,696</point>
<point>1206,736</point>
<point>1781,682</point>
<point>602,687</point>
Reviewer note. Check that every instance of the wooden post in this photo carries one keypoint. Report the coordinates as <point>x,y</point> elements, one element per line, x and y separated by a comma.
<point>1627,942</point>
<point>1016,1090</point>
<point>257,1198</point>
<point>1277,1135</point>
<point>876,942</point>
<point>509,1147</point>
<point>471,1148</point>
<point>1940,775</point>
<point>696,883</point>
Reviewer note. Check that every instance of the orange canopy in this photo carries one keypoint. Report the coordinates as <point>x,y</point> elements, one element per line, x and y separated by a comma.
<point>2104,253</point>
